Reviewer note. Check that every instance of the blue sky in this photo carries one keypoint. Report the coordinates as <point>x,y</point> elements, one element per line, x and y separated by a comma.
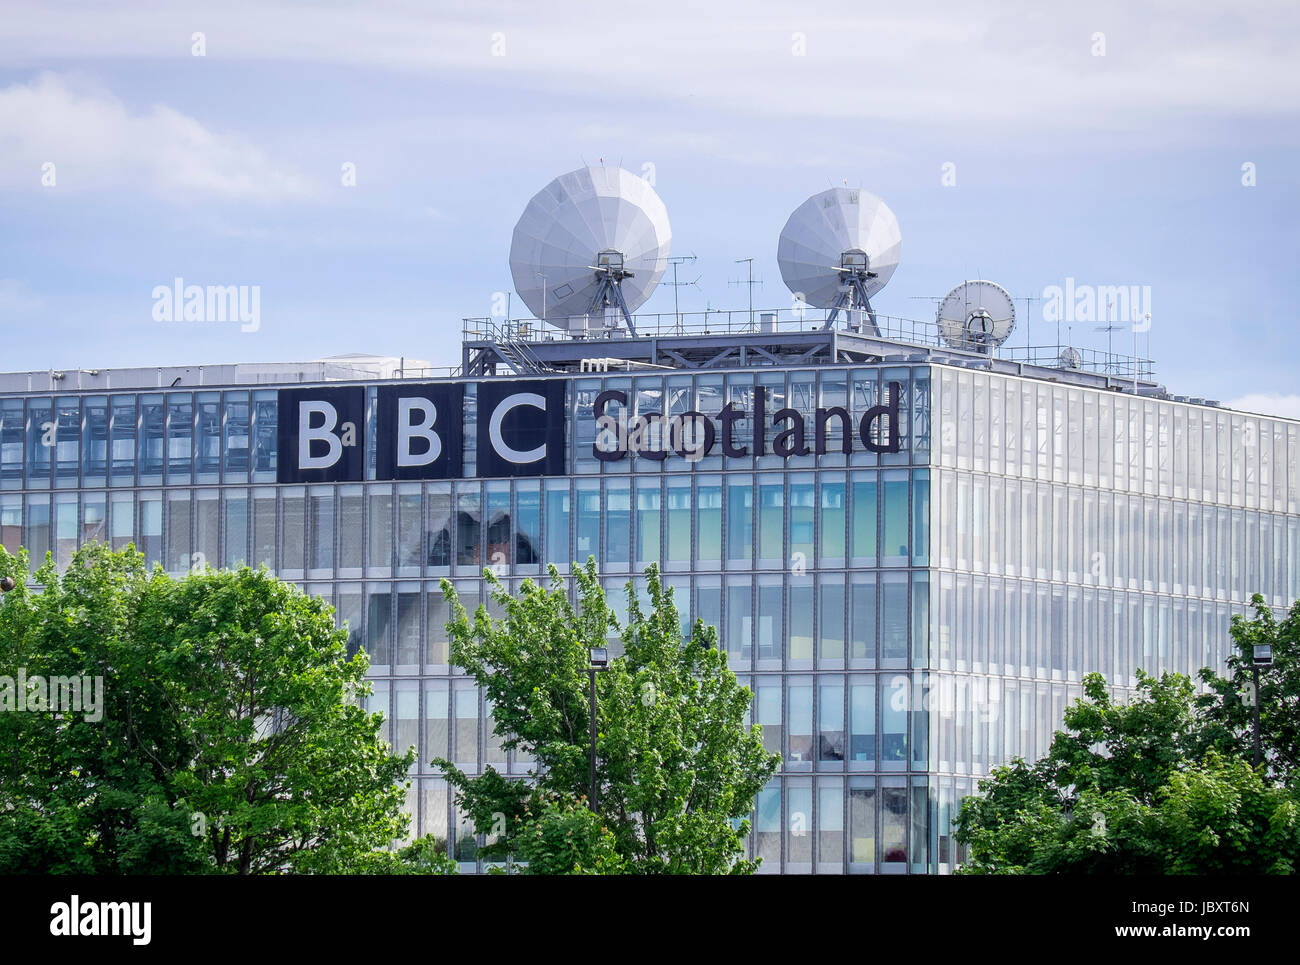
<point>1118,167</point>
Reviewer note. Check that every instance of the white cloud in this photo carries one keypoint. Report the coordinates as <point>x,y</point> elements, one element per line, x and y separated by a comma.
<point>665,81</point>
<point>1268,403</point>
<point>975,66</point>
<point>95,142</point>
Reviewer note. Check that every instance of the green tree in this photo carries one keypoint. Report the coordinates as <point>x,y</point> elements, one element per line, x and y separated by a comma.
<point>231,738</point>
<point>1228,707</point>
<point>677,767</point>
<point>1137,788</point>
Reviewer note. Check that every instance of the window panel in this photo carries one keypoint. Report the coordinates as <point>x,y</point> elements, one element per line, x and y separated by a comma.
<point>896,516</point>
<point>740,519</point>
<point>65,528</point>
<point>679,522</point>
<point>830,720</point>
<point>830,618</point>
<point>830,825</point>
<point>863,621</point>
<point>13,428</point>
<point>864,518</point>
<point>862,826</point>
<point>618,547</point>
<point>67,441</point>
<point>178,531</point>
<point>648,521</point>
<point>708,517</point>
<point>440,534</point>
<point>799,720</point>
<point>151,527</point>
<point>528,525</point>
<point>862,719</point>
<point>893,825</point>
<point>771,521</point>
<point>41,430</point>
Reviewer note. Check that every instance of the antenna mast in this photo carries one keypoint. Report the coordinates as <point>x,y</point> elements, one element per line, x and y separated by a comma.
<point>749,282</point>
<point>676,260</point>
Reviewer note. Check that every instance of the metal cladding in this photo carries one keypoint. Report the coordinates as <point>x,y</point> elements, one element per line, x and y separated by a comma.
<point>570,224</point>
<point>976,315</point>
<point>823,229</point>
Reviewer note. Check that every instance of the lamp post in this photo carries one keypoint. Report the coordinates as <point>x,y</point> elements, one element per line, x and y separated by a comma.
<point>599,659</point>
<point>1261,657</point>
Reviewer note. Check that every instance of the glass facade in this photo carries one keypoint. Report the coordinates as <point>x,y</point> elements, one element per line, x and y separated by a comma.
<point>905,620</point>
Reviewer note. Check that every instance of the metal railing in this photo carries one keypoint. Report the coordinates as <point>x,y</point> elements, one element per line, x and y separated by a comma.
<point>907,331</point>
<point>427,372</point>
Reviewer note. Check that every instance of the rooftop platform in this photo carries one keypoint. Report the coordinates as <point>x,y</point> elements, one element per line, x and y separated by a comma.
<point>689,341</point>
<point>743,339</point>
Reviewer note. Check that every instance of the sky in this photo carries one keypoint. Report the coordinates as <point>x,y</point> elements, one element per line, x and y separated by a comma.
<point>1135,144</point>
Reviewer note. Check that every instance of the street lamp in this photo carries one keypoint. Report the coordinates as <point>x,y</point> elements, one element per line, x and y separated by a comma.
<point>7,584</point>
<point>599,659</point>
<point>1262,656</point>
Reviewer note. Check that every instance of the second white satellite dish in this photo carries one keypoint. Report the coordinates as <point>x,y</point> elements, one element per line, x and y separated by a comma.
<point>976,316</point>
<point>838,249</point>
<point>590,248</point>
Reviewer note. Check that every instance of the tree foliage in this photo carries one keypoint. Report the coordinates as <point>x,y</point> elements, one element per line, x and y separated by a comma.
<point>1227,708</point>
<point>231,740</point>
<point>677,767</point>
<point>1160,785</point>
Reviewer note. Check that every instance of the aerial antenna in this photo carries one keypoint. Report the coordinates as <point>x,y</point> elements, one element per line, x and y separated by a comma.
<point>838,249</point>
<point>1110,328</point>
<point>976,316</point>
<point>589,249</point>
<point>1069,358</point>
<point>1028,299</point>
<point>676,260</point>
<point>750,282</point>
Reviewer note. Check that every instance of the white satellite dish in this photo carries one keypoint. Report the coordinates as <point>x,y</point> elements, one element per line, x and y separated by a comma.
<point>1069,358</point>
<point>838,249</point>
<point>977,316</point>
<point>590,248</point>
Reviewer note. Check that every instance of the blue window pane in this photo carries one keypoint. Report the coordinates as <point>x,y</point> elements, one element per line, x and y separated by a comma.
<point>207,456</point>
<point>150,448</point>
<point>265,415</point>
<point>67,440</point>
<point>558,526</point>
<point>40,437</point>
<point>122,440</point>
<point>94,447</point>
<point>180,437</point>
<point>237,435</point>
<point>12,427</point>
<point>528,526</point>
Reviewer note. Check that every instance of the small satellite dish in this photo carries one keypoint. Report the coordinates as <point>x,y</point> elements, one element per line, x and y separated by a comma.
<point>590,248</point>
<point>1069,358</point>
<point>977,316</point>
<point>838,249</point>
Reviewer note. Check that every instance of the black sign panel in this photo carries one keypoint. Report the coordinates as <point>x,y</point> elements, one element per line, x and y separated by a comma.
<point>418,431</point>
<point>321,435</point>
<point>521,428</point>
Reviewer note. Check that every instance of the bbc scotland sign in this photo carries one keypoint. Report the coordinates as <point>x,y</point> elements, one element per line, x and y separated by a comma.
<point>520,431</point>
